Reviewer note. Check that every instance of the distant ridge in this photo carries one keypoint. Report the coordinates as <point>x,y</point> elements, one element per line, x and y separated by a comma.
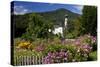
<point>57,16</point>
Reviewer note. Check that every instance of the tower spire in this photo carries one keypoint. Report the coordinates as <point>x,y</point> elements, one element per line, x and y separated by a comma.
<point>65,26</point>
<point>66,19</point>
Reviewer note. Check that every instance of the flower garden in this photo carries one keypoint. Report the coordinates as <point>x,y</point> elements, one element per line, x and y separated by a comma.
<point>83,48</point>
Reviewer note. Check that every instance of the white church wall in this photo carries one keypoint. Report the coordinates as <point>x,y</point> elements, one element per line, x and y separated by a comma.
<point>58,30</point>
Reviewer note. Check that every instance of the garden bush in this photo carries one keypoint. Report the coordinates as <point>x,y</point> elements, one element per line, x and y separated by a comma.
<point>24,44</point>
<point>79,50</point>
<point>75,53</point>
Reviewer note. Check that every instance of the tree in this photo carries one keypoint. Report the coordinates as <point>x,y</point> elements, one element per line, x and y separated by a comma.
<point>77,26</point>
<point>20,23</point>
<point>89,20</point>
<point>38,27</point>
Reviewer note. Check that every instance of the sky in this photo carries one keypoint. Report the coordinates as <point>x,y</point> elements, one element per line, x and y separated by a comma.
<point>21,7</point>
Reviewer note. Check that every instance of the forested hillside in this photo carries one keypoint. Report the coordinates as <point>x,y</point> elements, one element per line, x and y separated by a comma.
<point>56,17</point>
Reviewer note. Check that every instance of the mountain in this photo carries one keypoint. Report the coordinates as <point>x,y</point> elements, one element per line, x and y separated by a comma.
<point>57,16</point>
<point>20,22</point>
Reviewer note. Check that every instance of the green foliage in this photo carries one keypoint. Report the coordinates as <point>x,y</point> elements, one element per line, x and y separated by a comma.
<point>57,16</point>
<point>77,27</point>
<point>93,56</point>
<point>71,35</point>
<point>74,28</point>
<point>85,24</point>
<point>53,48</point>
<point>38,27</point>
<point>20,23</point>
<point>89,20</point>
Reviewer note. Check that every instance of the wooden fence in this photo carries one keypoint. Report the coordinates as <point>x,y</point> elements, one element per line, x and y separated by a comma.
<point>27,60</point>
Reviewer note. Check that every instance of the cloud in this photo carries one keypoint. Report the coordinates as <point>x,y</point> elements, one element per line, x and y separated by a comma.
<point>20,10</point>
<point>79,8</point>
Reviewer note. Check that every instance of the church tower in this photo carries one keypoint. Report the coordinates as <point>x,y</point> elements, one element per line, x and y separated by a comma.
<point>66,19</point>
<point>65,27</point>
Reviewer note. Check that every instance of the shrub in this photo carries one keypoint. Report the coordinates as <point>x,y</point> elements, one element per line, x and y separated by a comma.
<point>56,53</point>
<point>79,50</point>
<point>31,47</point>
<point>93,56</point>
<point>38,27</point>
<point>17,41</point>
<point>24,44</point>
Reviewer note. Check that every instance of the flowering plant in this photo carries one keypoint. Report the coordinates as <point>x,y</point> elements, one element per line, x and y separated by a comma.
<point>56,57</point>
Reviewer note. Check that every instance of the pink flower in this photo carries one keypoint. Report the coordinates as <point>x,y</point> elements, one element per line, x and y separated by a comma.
<point>93,39</point>
<point>49,54</point>
<point>39,48</point>
<point>77,42</point>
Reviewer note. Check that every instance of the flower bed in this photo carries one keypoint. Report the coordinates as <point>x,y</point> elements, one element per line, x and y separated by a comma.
<point>57,51</point>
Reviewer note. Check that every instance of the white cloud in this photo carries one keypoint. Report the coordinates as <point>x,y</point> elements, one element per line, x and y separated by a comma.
<point>20,10</point>
<point>79,8</point>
